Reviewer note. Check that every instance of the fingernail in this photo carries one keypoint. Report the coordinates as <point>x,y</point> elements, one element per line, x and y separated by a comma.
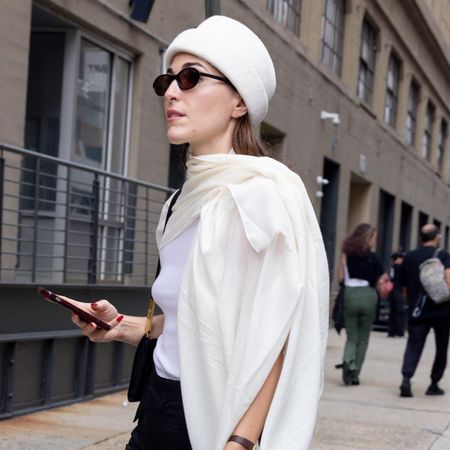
<point>92,325</point>
<point>119,318</point>
<point>94,305</point>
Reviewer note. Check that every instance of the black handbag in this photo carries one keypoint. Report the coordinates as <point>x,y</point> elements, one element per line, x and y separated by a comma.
<point>338,310</point>
<point>143,357</point>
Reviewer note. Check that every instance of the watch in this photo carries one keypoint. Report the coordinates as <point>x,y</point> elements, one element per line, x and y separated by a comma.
<point>249,445</point>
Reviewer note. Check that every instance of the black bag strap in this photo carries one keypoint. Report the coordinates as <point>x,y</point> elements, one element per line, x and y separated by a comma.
<point>169,213</point>
<point>421,300</point>
<point>151,302</point>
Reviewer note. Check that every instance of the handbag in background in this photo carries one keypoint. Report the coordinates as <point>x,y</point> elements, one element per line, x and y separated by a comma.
<point>338,310</point>
<point>384,285</point>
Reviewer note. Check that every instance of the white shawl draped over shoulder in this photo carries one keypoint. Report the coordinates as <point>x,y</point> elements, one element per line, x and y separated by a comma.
<point>256,281</point>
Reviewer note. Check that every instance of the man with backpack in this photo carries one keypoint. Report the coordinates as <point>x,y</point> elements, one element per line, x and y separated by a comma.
<point>428,307</point>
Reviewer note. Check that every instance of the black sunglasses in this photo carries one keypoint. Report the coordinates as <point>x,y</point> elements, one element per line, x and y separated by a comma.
<point>186,79</point>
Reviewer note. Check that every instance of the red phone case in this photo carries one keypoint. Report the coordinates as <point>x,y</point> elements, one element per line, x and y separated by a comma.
<point>50,296</point>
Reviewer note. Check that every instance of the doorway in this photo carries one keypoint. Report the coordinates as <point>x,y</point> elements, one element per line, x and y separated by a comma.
<point>359,202</point>
<point>404,238</point>
<point>423,220</point>
<point>385,226</point>
<point>329,210</point>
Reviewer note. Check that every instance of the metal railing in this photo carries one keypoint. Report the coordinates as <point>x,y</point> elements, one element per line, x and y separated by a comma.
<point>67,223</point>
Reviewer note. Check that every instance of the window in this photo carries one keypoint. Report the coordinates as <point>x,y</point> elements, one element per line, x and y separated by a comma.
<point>78,109</point>
<point>366,62</point>
<point>441,145</point>
<point>332,34</point>
<point>411,118</point>
<point>100,141</point>
<point>103,80</point>
<point>428,132</point>
<point>287,12</point>
<point>391,100</point>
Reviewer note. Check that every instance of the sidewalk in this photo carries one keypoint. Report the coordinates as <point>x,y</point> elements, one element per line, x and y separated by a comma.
<point>371,416</point>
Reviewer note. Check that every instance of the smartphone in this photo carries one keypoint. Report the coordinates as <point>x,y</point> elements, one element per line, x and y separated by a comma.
<point>51,297</point>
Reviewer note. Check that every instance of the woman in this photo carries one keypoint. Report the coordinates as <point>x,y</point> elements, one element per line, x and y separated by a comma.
<point>243,282</point>
<point>359,270</point>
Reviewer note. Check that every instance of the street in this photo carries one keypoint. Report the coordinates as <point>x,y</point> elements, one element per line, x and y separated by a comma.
<point>371,416</point>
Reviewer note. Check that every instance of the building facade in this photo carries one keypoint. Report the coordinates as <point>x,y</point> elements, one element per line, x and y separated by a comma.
<point>361,112</point>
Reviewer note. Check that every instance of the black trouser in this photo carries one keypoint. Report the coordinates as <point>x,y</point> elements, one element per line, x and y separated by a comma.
<point>418,331</point>
<point>397,314</point>
<point>161,422</point>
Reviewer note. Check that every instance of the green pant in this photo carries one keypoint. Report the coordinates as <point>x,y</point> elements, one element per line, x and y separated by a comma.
<point>360,307</point>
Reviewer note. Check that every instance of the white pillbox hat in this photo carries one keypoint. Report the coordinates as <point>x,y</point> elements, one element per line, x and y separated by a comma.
<point>233,49</point>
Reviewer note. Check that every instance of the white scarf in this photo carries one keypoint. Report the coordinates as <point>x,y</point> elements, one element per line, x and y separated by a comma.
<point>256,281</point>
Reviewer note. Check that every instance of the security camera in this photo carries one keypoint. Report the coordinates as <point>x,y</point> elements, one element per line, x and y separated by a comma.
<point>324,115</point>
<point>321,181</point>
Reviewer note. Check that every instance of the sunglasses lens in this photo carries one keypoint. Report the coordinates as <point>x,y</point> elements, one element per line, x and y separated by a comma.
<point>188,78</point>
<point>161,84</point>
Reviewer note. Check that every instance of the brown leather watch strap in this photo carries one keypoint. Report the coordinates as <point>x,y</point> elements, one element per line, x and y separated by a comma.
<point>249,445</point>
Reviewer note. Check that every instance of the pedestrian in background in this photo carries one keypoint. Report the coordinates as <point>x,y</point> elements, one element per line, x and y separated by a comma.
<point>397,313</point>
<point>243,282</point>
<point>359,270</point>
<point>424,314</point>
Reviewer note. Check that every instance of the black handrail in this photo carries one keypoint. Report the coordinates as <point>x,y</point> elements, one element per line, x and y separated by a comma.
<point>68,223</point>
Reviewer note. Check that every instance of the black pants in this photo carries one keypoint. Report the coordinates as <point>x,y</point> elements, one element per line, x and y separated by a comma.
<point>397,314</point>
<point>161,422</point>
<point>418,331</point>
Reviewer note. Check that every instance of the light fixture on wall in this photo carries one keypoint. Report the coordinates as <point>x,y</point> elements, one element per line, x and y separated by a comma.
<point>334,117</point>
<point>321,181</point>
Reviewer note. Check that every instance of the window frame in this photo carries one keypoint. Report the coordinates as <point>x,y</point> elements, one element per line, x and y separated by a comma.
<point>287,12</point>
<point>442,143</point>
<point>333,44</point>
<point>427,139</point>
<point>392,90</point>
<point>74,38</point>
<point>366,67</point>
<point>411,114</point>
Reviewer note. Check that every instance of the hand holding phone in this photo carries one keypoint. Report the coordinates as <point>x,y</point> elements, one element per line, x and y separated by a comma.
<point>84,315</point>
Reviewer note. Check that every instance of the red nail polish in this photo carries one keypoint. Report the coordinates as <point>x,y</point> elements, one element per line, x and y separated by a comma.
<point>119,318</point>
<point>94,305</point>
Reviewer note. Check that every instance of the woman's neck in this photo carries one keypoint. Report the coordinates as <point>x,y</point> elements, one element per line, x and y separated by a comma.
<point>211,146</point>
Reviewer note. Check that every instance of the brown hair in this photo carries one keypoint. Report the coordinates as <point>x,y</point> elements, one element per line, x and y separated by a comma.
<point>357,242</point>
<point>244,141</point>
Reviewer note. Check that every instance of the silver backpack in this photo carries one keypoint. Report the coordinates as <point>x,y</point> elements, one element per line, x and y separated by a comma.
<point>432,277</point>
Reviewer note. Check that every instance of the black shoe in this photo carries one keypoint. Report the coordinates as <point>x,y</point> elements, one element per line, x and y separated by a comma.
<point>355,380</point>
<point>434,389</point>
<point>346,375</point>
<point>405,388</point>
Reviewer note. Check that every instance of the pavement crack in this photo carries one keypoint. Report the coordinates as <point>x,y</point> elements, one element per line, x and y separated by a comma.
<point>102,441</point>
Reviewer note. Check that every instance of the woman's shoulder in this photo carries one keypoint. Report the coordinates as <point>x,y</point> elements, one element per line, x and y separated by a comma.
<point>261,210</point>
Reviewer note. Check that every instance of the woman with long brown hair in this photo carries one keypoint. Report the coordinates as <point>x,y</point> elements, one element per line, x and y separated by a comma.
<point>359,270</point>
